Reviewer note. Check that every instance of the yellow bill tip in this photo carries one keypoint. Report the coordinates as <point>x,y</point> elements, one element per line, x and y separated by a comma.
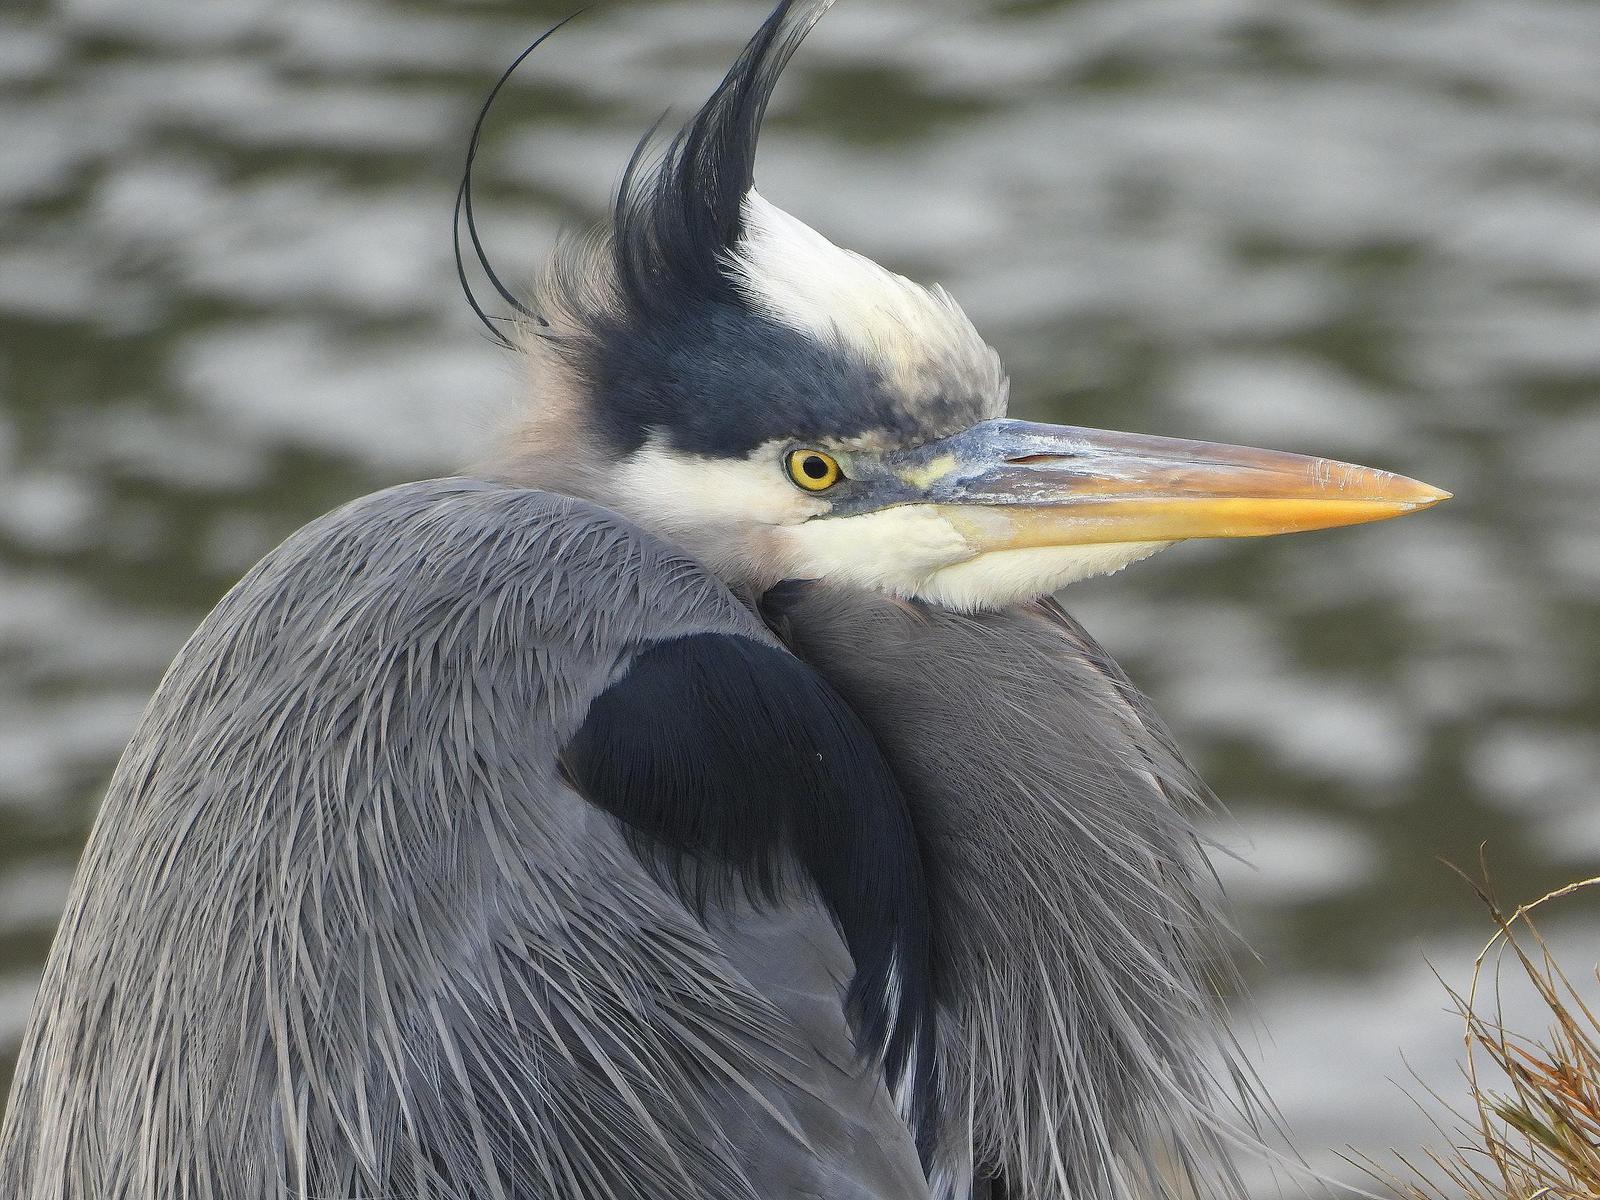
<point>1385,489</point>
<point>1428,495</point>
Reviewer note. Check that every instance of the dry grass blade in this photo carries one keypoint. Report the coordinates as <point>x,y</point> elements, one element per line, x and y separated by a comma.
<point>1537,1135</point>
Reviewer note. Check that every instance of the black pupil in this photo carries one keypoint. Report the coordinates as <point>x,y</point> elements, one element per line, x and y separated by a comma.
<point>814,467</point>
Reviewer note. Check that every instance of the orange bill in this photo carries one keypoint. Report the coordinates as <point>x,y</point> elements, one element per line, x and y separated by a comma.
<point>1014,484</point>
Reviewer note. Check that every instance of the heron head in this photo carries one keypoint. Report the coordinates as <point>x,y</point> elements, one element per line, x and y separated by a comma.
<point>783,408</point>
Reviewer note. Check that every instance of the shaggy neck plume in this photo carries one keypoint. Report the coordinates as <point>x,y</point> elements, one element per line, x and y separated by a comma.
<point>1076,928</point>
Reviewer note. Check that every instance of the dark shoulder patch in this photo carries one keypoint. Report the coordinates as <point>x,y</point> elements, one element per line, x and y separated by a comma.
<point>736,762</point>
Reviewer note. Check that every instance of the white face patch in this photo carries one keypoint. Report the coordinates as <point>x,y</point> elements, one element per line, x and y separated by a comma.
<point>721,510</point>
<point>913,551</point>
<point>917,337</point>
<point>1003,577</point>
<point>716,491</point>
<point>892,550</point>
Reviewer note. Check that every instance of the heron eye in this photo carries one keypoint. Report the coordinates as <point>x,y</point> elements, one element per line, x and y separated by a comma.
<point>813,470</point>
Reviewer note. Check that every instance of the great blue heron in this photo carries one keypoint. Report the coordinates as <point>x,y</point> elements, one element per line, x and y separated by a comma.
<point>703,799</point>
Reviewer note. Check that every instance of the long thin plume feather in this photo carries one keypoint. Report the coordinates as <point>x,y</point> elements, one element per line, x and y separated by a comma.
<point>463,213</point>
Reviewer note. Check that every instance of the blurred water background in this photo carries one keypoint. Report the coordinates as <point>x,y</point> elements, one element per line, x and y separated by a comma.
<point>1368,229</point>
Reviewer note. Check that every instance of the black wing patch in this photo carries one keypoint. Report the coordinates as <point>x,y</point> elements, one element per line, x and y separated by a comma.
<point>739,763</point>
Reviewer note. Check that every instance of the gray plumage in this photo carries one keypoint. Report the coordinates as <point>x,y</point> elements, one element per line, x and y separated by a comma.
<point>1080,933</point>
<point>702,801</point>
<point>341,929</point>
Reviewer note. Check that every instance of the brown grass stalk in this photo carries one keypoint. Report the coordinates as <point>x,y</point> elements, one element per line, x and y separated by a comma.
<point>1536,1134</point>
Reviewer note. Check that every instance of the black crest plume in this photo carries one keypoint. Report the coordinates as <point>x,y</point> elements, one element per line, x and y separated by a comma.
<point>673,229</point>
<point>677,218</point>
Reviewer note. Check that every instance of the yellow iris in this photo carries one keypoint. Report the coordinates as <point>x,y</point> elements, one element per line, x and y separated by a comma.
<point>814,470</point>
